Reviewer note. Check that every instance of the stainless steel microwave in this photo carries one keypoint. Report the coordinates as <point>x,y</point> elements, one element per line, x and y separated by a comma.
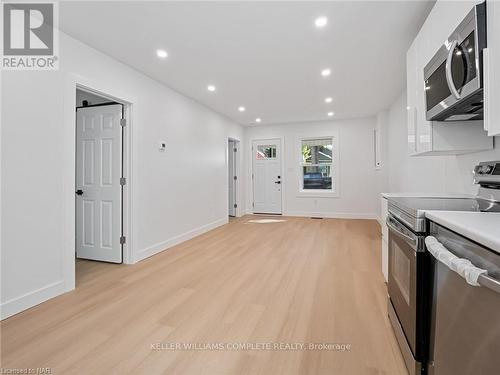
<point>454,77</point>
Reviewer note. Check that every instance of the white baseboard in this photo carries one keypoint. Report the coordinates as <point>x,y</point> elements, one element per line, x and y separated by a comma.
<point>332,215</point>
<point>164,245</point>
<point>30,299</point>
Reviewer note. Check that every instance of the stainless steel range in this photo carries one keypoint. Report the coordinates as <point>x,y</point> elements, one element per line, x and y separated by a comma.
<point>409,281</point>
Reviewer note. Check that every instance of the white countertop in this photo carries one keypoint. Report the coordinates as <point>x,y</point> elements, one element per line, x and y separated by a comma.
<point>427,195</point>
<point>481,227</point>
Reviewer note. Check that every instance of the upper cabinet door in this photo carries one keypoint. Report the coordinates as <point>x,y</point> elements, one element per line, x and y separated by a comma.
<point>411,97</point>
<point>491,64</point>
<point>424,130</point>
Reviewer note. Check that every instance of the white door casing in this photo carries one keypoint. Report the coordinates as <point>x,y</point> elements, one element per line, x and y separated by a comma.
<point>267,176</point>
<point>231,177</point>
<point>98,173</point>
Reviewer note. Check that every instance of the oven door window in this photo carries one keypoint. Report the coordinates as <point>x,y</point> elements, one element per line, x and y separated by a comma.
<point>402,285</point>
<point>401,271</point>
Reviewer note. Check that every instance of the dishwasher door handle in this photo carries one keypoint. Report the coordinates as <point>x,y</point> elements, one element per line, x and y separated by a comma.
<point>445,256</point>
<point>489,282</point>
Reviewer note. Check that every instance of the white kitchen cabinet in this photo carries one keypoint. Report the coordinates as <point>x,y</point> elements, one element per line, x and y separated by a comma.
<point>436,137</point>
<point>491,64</point>
<point>411,97</point>
<point>385,236</point>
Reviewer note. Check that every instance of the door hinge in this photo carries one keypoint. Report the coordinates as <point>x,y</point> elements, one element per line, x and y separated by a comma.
<point>123,240</point>
<point>235,149</point>
<point>123,181</point>
<point>235,205</point>
<point>253,204</point>
<point>235,177</point>
<point>123,122</point>
<point>252,176</point>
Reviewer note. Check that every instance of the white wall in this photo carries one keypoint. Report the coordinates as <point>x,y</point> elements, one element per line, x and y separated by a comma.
<point>429,174</point>
<point>175,194</point>
<point>360,184</point>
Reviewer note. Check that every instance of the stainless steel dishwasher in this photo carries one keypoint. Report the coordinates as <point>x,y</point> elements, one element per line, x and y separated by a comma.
<point>465,320</point>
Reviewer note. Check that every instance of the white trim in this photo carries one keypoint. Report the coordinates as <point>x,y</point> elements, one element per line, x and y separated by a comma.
<point>283,179</point>
<point>333,215</point>
<point>164,245</point>
<point>30,299</point>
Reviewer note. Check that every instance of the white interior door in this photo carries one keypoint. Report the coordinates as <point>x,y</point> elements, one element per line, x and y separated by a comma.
<point>267,181</point>
<point>98,188</point>
<point>232,177</point>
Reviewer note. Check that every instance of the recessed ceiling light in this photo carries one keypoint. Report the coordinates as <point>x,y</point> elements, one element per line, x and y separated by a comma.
<point>161,53</point>
<point>328,100</point>
<point>241,109</point>
<point>330,114</point>
<point>258,119</point>
<point>211,88</point>
<point>321,21</point>
<point>326,72</point>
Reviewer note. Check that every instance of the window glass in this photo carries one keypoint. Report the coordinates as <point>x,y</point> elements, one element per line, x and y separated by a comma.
<point>318,151</point>
<point>317,177</point>
<point>266,152</point>
<point>317,164</point>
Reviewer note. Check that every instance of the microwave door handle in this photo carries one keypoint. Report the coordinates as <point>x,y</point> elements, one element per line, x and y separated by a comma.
<point>449,76</point>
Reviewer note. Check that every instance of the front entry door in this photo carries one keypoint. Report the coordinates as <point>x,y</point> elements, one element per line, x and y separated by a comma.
<point>98,188</point>
<point>267,176</point>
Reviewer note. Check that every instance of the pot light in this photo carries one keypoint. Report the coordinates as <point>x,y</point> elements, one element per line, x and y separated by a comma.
<point>330,114</point>
<point>162,54</point>
<point>328,100</point>
<point>211,88</point>
<point>241,109</point>
<point>258,120</point>
<point>321,22</point>
<point>326,72</point>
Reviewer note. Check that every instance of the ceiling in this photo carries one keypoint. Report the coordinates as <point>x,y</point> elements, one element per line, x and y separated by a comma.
<point>265,56</point>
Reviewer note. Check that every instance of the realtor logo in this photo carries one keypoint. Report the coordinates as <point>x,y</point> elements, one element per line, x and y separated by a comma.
<point>29,36</point>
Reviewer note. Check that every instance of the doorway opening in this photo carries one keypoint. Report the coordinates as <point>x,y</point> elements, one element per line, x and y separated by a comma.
<point>232,170</point>
<point>99,184</point>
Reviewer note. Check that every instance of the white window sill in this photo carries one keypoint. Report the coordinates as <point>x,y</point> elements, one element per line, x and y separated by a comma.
<point>317,194</point>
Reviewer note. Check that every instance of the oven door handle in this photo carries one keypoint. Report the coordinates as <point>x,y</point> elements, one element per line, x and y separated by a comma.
<point>449,75</point>
<point>474,276</point>
<point>405,237</point>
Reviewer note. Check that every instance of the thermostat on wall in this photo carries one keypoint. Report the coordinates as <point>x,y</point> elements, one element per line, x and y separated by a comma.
<point>162,146</point>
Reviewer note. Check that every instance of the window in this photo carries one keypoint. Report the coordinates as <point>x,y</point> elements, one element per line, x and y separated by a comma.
<point>317,165</point>
<point>266,152</point>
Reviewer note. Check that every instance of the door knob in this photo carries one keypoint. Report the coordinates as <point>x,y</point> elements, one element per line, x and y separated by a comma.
<point>79,192</point>
<point>277,182</point>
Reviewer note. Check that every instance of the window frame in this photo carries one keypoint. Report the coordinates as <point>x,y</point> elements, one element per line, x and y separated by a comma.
<point>334,168</point>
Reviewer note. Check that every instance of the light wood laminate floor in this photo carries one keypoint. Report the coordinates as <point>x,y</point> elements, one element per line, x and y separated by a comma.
<point>299,281</point>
